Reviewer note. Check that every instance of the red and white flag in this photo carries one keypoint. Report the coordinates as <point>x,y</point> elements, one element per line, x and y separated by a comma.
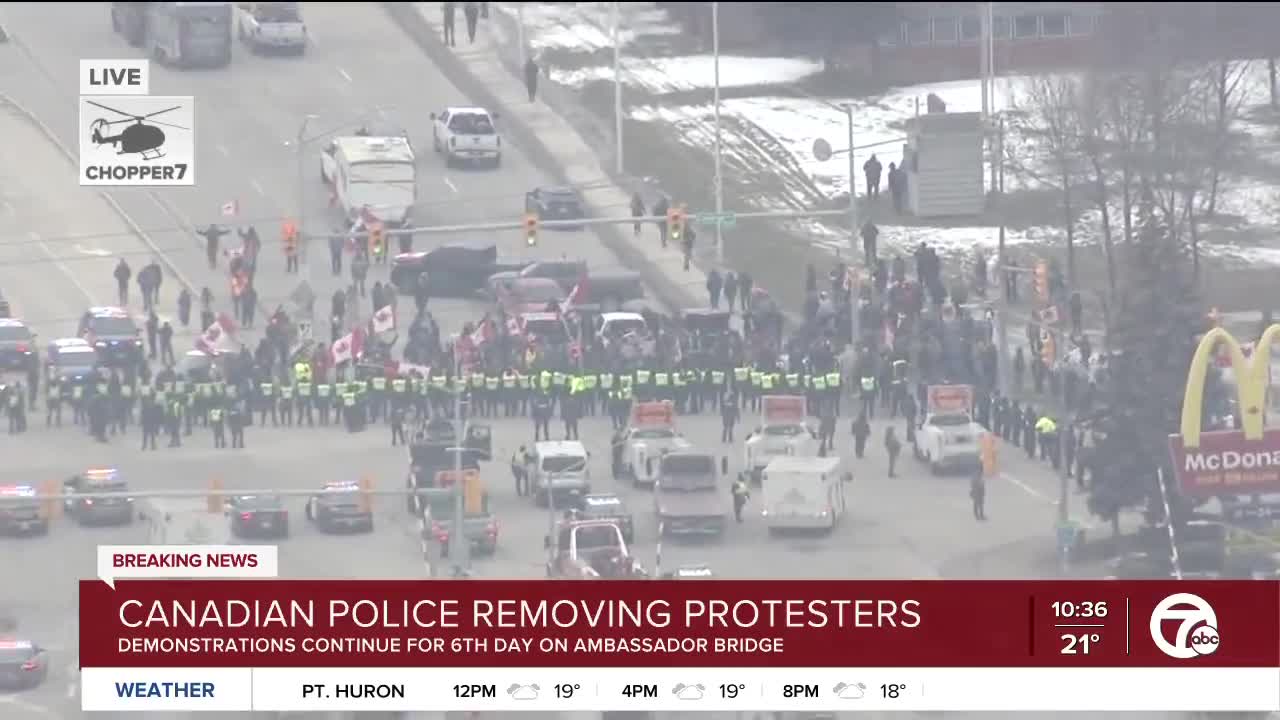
<point>230,208</point>
<point>578,296</point>
<point>483,332</point>
<point>513,326</point>
<point>218,337</point>
<point>384,320</point>
<point>348,347</point>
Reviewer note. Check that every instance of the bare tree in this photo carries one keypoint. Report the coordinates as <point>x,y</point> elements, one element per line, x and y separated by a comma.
<point>1048,122</point>
<point>1226,83</point>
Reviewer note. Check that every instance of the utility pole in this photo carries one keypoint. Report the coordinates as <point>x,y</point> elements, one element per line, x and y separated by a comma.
<point>719,178</point>
<point>459,545</point>
<point>617,86</point>
<point>1004,366</point>
<point>855,322</point>
<point>524,51</point>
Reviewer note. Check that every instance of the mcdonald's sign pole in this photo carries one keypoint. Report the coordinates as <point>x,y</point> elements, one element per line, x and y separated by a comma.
<point>1228,462</point>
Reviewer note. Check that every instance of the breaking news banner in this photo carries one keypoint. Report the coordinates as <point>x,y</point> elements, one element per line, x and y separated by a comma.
<point>336,646</point>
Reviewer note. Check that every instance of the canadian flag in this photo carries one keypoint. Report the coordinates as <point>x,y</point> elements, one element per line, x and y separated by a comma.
<point>405,369</point>
<point>384,320</point>
<point>218,337</point>
<point>578,296</point>
<point>483,332</point>
<point>230,208</point>
<point>348,347</point>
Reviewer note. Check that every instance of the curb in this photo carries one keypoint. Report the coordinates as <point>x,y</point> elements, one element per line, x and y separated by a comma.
<point>141,234</point>
<point>407,17</point>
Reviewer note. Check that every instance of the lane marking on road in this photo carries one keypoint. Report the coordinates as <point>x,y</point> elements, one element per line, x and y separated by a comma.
<point>1027,488</point>
<point>257,187</point>
<point>38,240</point>
<point>344,75</point>
<point>449,182</point>
<point>97,252</point>
<point>223,150</point>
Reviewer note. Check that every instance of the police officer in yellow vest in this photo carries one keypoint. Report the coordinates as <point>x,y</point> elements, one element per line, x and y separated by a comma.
<point>218,424</point>
<point>1047,438</point>
<point>378,388</point>
<point>286,403</point>
<point>306,397</point>
<point>492,393</point>
<point>351,412</point>
<point>267,402</point>
<point>324,401</point>
<point>510,391</point>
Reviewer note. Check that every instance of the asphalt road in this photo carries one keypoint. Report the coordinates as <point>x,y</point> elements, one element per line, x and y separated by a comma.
<point>248,118</point>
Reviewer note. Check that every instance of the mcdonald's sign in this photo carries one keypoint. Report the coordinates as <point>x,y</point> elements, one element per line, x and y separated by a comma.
<point>1228,462</point>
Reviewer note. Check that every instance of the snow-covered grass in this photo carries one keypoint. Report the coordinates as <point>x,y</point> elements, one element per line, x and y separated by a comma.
<point>658,76</point>
<point>767,139</point>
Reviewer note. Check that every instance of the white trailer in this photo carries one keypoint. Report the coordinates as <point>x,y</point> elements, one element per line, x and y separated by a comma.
<point>803,493</point>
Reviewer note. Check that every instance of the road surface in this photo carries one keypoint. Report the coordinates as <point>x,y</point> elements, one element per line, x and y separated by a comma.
<point>248,119</point>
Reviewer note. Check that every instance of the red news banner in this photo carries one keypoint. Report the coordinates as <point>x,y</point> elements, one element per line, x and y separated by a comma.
<point>483,623</point>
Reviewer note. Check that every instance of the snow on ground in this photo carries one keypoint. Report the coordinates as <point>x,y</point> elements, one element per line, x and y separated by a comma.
<point>692,72</point>
<point>773,133</point>
<point>586,27</point>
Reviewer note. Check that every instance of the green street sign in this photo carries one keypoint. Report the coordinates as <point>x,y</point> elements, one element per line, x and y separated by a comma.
<point>710,219</point>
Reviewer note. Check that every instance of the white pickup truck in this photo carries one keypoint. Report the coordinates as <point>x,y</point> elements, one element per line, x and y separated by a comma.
<point>271,26</point>
<point>466,135</point>
<point>949,438</point>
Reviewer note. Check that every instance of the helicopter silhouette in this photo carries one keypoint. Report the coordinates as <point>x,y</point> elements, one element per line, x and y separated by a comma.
<point>141,138</point>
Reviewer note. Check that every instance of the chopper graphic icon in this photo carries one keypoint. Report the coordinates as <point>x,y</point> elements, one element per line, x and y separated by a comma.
<point>142,138</point>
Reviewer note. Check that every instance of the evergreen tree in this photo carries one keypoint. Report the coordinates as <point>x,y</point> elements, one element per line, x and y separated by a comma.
<point>1155,333</point>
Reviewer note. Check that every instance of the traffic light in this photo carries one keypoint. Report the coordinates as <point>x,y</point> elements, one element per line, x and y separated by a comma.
<point>531,230</point>
<point>377,240</point>
<point>1048,349</point>
<point>675,224</point>
<point>215,496</point>
<point>366,496</point>
<point>1042,280</point>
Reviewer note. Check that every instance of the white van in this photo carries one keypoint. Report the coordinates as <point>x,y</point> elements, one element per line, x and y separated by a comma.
<point>802,493</point>
<point>377,175</point>
<point>271,26</point>
<point>560,469</point>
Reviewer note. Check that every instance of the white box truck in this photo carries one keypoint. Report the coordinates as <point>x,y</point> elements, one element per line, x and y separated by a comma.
<point>803,493</point>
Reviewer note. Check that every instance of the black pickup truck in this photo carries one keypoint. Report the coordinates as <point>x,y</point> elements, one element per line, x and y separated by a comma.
<point>452,270</point>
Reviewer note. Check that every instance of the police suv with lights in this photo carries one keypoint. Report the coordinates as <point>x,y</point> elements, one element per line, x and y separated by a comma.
<point>116,510</point>
<point>466,135</point>
<point>23,664</point>
<point>340,507</point>
<point>17,346</point>
<point>20,511</point>
<point>113,334</point>
<point>608,506</point>
<point>70,362</point>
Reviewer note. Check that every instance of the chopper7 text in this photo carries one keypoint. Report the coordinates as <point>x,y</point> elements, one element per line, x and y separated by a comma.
<point>140,138</point>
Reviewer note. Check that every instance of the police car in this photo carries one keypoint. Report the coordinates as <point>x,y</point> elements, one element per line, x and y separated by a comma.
<point>113,334</point>
<point>23,664</point>
<point>116,510</point>
<point>17,346</point>
<point>20,512</point>
<point>607,506</point>
<point>70,361</point>
<point>340,507</point>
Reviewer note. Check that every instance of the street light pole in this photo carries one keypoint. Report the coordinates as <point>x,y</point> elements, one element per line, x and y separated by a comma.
<point>302,188</point>
<point>719,178</point>
<point>617,86</point>
<point>459,544</point>
<point>524,52</point>
<point>855,322</point>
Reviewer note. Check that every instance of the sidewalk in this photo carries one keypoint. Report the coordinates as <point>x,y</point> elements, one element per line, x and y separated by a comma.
<point>554,146</point>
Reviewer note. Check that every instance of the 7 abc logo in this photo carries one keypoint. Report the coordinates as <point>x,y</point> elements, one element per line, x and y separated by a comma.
<point>1197,633</point>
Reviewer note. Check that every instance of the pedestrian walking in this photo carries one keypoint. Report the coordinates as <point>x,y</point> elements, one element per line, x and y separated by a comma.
<point>893,446</point>
<point>861,430</point>
<point>184,308</point>
<point>741,493</point>
<point>122,273</point>
<point>212,239</point>
<point>637,211</point>
<point>978,494</point>
<point>871,169</point>
<point>450,17</point>
<point>531,71</point>
<point>471,13</point>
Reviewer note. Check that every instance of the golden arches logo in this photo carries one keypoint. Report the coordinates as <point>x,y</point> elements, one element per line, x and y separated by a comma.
<point>1252,379</point>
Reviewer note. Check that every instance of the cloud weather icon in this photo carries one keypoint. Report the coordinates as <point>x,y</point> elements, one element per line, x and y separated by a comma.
<point>523,692</point>
<point>689,692</point>
<point>850,691</point>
